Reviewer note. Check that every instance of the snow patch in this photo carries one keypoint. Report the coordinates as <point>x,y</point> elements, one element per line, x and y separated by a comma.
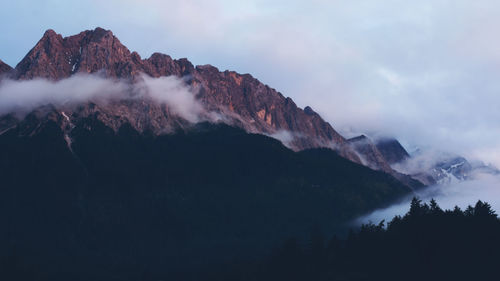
<point>456,165</point>
<point>69,141</point>
<point>65,116</point>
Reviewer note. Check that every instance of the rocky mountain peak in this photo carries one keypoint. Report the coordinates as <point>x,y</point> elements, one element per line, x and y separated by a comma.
<point>56,57</point>
<point>100,34</point>
<point>50,36</point>
<point>101,50</point>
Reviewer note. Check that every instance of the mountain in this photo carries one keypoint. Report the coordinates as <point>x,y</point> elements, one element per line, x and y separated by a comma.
<point>110,189</point>
<point>242,99</point>
<point>389,156</point>
<point>457,167</point>
<point>372,157</point>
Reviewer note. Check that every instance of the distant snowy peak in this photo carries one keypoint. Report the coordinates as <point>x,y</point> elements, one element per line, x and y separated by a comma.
<point>442,168</point>
<point>451,170</point>
<point>428,167</point>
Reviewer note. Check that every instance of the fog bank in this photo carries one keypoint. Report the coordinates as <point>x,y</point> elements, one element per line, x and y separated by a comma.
<point>484,187</point>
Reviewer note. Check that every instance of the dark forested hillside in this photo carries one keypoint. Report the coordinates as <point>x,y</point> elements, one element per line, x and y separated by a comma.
<point>428,243</point>
<point>102,205</point>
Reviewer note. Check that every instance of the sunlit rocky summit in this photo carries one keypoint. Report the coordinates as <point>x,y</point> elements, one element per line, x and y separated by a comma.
<point>243,99</point>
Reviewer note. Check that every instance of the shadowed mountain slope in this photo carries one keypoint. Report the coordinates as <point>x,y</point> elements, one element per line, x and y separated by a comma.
<point>117,203</point>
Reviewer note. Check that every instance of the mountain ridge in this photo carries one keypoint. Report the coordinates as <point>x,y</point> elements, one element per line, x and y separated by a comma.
<point>260,107</point>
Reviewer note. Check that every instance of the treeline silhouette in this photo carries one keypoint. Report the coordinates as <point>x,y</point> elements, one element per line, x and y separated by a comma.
<point>427,243</point>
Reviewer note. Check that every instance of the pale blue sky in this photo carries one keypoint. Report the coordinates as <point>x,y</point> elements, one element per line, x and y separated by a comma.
<point>424,71</point>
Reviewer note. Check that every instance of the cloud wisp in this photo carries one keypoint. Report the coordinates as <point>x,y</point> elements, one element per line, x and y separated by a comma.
<point>23,96</point>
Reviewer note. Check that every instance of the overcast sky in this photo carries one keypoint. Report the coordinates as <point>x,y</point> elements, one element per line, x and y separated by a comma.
<point>426,72</point>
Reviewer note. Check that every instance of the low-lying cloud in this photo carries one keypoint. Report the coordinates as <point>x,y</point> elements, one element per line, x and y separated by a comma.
<point>484,187</point>
<point>423,161</point>
<point>24,96</point>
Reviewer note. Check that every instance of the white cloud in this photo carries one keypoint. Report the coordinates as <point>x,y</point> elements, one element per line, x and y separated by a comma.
<point>26,95</point>
<point>23,96</point>
<point>175,93</point>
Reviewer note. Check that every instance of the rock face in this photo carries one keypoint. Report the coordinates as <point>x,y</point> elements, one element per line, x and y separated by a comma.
<point>4,68</point>
<point>247,102</point>
<point>55,57</point>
